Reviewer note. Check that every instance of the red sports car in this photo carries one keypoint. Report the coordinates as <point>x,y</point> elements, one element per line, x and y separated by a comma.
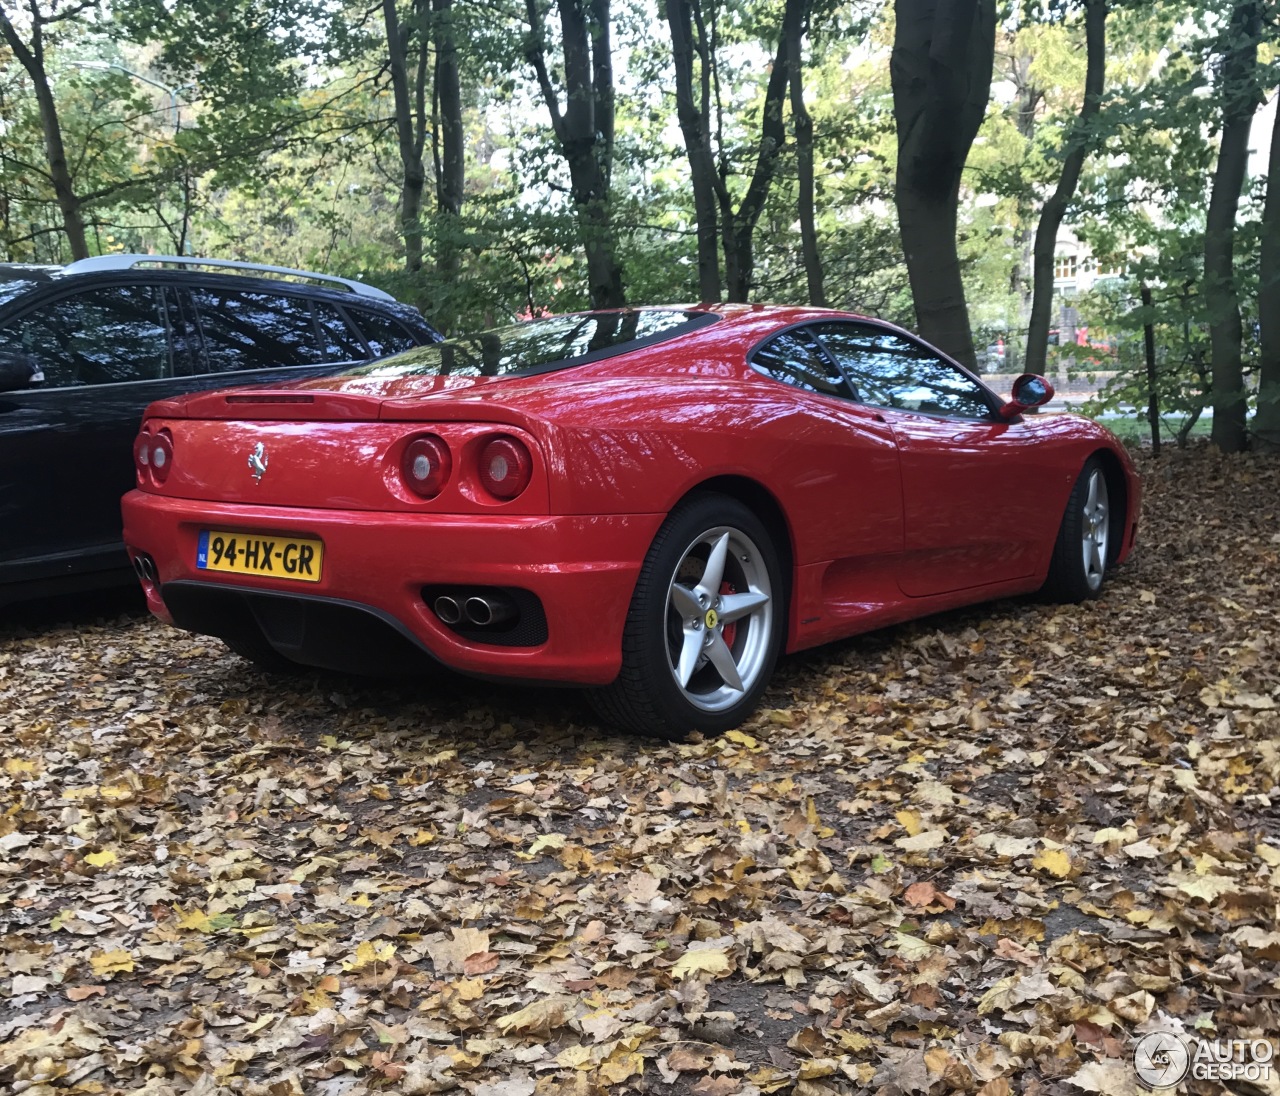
<point>653,503</point>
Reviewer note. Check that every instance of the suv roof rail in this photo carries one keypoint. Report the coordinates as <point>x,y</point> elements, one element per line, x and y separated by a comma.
<point>128,262</point>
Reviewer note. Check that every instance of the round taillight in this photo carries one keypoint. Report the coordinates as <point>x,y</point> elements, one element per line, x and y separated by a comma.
<point>142,452</point>
<point>426,465</point>
<point>505,467</point>
<point>160,455</point>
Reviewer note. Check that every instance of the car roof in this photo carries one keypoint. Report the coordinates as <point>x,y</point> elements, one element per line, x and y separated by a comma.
<point>28,272</point>
<point>190,266</point>
<point>35,275</point>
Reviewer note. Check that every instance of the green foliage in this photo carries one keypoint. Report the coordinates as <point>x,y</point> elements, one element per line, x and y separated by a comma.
<point>1146,202</point>
<point>282,149</point>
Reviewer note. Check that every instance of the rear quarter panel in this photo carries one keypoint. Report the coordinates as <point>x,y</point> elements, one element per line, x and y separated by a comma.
<point>640,445</point>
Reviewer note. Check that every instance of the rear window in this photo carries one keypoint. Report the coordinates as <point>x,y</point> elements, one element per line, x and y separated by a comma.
<point>383,334</point>
<point>539,346</point>
<point>338,343</point>
<point>252,330</point>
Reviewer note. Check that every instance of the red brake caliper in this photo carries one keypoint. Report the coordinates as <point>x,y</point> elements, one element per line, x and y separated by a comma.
<point>730,630</point>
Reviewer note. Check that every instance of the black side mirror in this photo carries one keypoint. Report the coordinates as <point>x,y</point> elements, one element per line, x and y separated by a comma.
<point>1028,391</point>
<point>18,371</point>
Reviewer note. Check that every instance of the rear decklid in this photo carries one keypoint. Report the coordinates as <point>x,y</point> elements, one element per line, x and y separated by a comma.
<point>320,399</point>
<point>336,441</point>
<point>355,466</point>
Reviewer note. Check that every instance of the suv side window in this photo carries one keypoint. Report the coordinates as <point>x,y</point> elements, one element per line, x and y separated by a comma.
<point>890,370</point>
<point>244,329</point>
<point>100,336</point>
<point>338,341</point>
<point>383,334</point>
<point>795,358</point>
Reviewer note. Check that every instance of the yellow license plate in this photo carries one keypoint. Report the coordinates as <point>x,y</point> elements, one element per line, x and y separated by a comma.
<point>297,558</point>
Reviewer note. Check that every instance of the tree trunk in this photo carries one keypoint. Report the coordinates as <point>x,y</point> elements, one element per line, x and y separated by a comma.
<point>408,130</point>
<point>1028,101</point>
<point>695,126</point>
<point>450,168</point>
<point>1079,144</point>
<point>32,60</point>
<point>941,67</point>
<point>584,131</point>
<point>1149,351</point>
<point>452,178</point>
<point>803,125</point>
<point>1239,102</point>
<point>713,201</point>
<point>739,233</point>
<point>1266,424</point>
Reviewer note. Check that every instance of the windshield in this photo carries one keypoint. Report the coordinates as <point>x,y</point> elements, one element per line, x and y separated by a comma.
<point>538,346</point>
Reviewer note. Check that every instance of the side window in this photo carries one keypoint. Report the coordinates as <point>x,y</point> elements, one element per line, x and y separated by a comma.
<point>101,336</point>
<point>338,342</point>
<point>383,334</point>
<point>890,370</point>
<point>243,329</point>
<point>794,358</point>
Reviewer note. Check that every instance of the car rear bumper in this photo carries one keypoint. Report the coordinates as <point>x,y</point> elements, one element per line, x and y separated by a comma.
<point>578,572</point>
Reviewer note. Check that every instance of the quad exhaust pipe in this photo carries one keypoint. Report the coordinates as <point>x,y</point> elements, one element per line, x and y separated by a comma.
<point>486,610</point>
<point>145,567</point>
<point>448,609</point>
<point>478,610</point>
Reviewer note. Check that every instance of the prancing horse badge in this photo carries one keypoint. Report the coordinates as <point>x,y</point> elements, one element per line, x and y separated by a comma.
<point>258,461</point>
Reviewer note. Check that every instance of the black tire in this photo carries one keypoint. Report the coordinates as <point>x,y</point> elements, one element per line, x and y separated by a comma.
<point>647,697</point>
<point>255,649</point>
<point>1071,577</point>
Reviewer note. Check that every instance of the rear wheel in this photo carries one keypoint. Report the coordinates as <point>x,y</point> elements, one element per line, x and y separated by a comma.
<point>1083,550</point>
<point>705,625</point>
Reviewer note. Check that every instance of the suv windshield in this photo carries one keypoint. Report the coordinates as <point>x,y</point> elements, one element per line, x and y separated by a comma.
<point>539,346</point>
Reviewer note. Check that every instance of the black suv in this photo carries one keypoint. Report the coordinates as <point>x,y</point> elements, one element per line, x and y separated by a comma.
<point>85,348</point>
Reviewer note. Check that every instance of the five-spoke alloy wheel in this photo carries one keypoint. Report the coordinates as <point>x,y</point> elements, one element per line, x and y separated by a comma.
<point>720,618</point>
<point>1083,549</point>
<point>705,626</point>
<point>1095,535</point>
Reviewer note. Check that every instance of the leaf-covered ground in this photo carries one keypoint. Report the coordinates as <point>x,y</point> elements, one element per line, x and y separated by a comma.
<point>975,854</point>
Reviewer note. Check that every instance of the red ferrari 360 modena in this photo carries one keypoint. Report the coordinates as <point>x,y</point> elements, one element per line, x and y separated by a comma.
<point>653,503</point>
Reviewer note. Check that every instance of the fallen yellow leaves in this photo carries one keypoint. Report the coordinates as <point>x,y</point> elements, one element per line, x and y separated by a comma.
<point>1208,888</point>
<point>910,821</point>
<point>923,841</point>
<point>369,955</point>
<point>702,960</point>
<point>1015,990</point>
<point>198,920</point>
<point>915,875</point>
<point>1108,1078</point>
<point>1054,862</point>
<point>539,1018</point>
<point>111,962</point>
